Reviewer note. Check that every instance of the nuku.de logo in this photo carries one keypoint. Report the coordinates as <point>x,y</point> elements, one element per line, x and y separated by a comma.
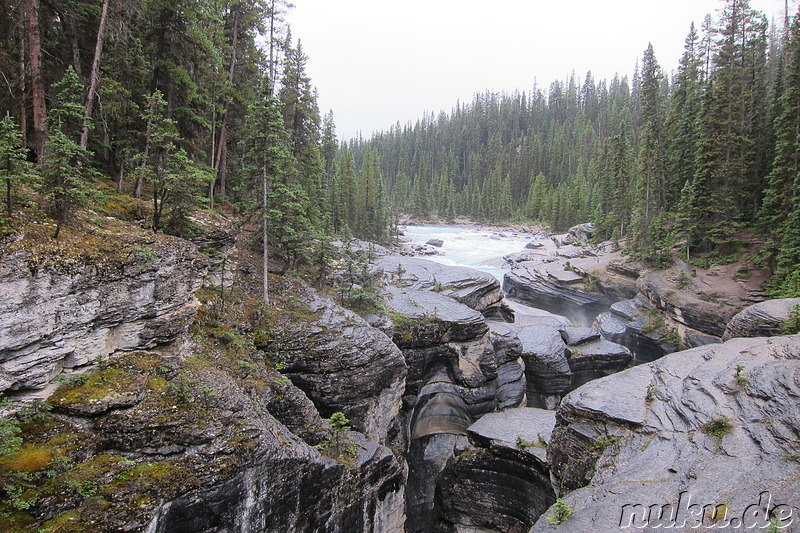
<point>686,515</point>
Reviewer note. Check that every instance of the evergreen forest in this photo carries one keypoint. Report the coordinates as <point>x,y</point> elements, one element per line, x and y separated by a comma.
<point>206,104</point>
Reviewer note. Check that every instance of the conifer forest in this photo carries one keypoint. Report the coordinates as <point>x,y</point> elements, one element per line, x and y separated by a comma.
<point>202,104</point>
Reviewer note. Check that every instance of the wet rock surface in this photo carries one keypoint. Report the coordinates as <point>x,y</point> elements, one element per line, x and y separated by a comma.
<point>459,368</point>
<point>638,325</point>
<point>500,482</point>
<point>718,422</point>
<point>764,319</point>
<point>475,289</point>
<point>344,364</point>
<point>555,288</point>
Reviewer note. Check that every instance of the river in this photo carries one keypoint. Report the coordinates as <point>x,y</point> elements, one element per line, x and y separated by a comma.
<point>483,249</point>
<point>479,248</point>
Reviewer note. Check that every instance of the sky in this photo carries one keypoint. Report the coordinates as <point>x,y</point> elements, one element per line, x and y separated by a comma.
<point>377,62</point>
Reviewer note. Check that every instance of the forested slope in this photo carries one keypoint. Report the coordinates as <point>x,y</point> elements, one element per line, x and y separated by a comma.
<point>165,107</point>
<point>691,162</point>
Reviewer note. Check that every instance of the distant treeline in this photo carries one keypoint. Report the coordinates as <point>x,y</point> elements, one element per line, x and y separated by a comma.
<point>689,163</point>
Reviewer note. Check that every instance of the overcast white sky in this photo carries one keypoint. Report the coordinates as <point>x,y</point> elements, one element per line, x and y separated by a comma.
<point>376,62</point>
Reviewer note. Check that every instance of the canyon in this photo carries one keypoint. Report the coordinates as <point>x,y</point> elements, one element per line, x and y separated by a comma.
<point>468,410</point>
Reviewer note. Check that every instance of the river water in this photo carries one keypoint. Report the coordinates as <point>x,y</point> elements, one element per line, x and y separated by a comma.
<point>483,249</point>
<point>478,248</point>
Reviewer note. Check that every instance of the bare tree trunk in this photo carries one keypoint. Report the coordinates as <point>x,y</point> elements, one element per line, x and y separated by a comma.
<point>272,45</point>
<point>94,75</point>
<point>223,170</point>
<point>37,81</point>
<point>264,237</point>
<point>23,114</point>
<point>222,147</point>
<point>120,177</point>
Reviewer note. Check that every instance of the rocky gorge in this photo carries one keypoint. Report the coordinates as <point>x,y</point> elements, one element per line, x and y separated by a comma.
<point>468,412</point>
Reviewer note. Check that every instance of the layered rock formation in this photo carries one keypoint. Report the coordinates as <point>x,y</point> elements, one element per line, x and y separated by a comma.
<point>458,371</point>
<point>164,444</point>
<point>552,287</point>
<point>501,480</point>
<point>764,319</point>
<point>475,289</point>
<point>63,314</point>
<point>708,315</point>
<point>711,428</point>
<point>638,325</point>
<point>343,364</point>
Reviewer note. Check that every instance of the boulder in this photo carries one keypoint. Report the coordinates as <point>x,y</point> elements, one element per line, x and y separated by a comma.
<point>581,233</point>
<point>436,242</point>
<point>713,426</point>
<point>764,319</point>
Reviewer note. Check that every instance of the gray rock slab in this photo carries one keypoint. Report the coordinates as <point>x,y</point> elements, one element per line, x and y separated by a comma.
<point>763,319</point>
<point>665,449</point>
<point>504,428</point>
<point>575,335</point>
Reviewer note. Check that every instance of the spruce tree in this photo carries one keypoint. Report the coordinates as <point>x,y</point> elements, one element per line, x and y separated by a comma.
<point>14,169</point>
<point>780,213</point>
<point>265,143</point>
<point>63,167</point>
<point>650,187</point>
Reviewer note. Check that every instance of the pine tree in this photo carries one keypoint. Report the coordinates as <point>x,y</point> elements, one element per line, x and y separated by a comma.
<point>372,216</point>
<point>651,176</point>
<point>175,179</point>
<point>780,213</point>
<point>265,143</point>
<point>349,187</point>
<point>63,166</point>
<point>682,120</point>
<point>13,166</point>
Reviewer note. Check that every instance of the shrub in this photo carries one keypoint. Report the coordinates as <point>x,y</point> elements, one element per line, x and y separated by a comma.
<point>561,512</point>
<point>9,439</point>
<point>791,325</point>
<point>683,280</point>
<point>651,393</point>
<point>602,442</point>
<point>673,337</point>
<point>741,379</point>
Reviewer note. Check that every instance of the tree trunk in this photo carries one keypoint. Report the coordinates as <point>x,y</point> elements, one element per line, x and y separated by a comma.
<point>37,80</point>
<point>93,76</point>
<point>264,237</point>
<point>120,177</point>
<point>272,46</point>
<point>222,148</point>
<point>23,112</point>
<point>137,189</point>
